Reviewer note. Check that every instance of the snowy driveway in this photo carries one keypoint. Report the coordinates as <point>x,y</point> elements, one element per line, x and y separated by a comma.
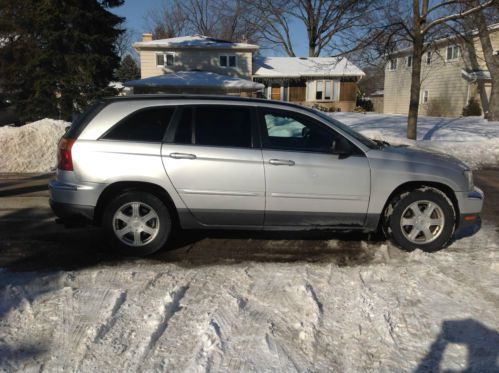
<point>240,302</point>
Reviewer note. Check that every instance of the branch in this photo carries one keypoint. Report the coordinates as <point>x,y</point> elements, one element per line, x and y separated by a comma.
<point>452,17</point>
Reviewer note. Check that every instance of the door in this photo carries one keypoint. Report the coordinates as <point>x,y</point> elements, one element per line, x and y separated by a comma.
<point>314,176</point>
<point>216,166</point>
<point>275,92</point>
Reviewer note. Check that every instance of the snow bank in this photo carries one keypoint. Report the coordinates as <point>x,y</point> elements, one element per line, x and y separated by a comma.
<point>30,148</point>
<point>472,139</point>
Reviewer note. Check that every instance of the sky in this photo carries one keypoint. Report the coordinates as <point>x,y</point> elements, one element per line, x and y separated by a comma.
<point>135,13</point>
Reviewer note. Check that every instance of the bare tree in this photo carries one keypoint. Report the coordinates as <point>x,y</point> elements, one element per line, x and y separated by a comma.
<point>491,60</point>
<point>323,20</point>
<point>418,27</point>
<point>225,19</point>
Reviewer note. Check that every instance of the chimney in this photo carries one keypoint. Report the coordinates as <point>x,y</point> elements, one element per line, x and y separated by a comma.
<point>146,36</point>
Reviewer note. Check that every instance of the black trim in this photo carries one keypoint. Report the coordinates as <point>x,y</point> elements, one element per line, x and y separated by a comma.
<point>69,211</point>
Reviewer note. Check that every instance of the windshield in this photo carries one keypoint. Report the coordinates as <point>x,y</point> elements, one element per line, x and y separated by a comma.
<point>364,140</point>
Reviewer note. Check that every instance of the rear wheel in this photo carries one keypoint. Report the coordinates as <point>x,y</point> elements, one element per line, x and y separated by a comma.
<point>422,219</point>
<point>137,223</point>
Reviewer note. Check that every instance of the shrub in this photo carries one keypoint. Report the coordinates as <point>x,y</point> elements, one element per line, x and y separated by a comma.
<point>365,104</point>
<point>472,109</point>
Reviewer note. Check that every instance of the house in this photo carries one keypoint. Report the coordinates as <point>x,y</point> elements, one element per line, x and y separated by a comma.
<point>195,64</point>
<point>200,64</point>
<point>452,72</point>
<point>325,81</point>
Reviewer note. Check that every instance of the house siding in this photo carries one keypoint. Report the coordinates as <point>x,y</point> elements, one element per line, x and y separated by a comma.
<point>448,90</point>
<point>196,59</point>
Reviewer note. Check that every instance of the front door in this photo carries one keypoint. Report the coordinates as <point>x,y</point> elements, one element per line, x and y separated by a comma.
<point>306,182</point>
<point>216,166</point>
<point>275,92</point>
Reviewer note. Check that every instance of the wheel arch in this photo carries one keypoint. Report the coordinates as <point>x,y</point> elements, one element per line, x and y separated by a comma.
<point>120,187</point>
<point>413,185</point>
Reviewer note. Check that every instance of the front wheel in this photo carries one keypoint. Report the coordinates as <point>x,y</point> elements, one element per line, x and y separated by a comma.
<point>421,219</point>
<point>137,223</point>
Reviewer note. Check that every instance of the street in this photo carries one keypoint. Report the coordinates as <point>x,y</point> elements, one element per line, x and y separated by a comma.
<point>242,301</point>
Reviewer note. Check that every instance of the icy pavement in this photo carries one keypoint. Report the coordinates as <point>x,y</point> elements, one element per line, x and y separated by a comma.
<point>391,311</point>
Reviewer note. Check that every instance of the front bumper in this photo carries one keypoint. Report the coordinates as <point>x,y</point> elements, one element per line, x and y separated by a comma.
<point>470,207</point>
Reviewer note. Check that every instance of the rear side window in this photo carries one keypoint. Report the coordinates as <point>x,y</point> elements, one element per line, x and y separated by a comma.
<point>83,119</point>
<point>148,125</point>
<point>222,126</point>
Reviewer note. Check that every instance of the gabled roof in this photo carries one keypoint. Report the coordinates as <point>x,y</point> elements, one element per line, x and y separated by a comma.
<point>296,67</point>
<point>194,41</point>
<point>197,80</point>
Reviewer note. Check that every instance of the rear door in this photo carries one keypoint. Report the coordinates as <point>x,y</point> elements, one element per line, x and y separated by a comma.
<point>213,158</point>
<point>308,182</point>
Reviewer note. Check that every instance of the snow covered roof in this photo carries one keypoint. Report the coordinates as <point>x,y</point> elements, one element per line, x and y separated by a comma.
<point>296,67</point>
<point>194,41</point>
<point>197,80</point>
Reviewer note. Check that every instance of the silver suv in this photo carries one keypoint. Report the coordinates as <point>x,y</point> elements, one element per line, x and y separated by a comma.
<point>142,166</point>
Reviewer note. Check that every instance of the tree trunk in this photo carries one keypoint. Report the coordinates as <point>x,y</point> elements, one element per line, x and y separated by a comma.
<point>417,55</point>
<point>492,63</point>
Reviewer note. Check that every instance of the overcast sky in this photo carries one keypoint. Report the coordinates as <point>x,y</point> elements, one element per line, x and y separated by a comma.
<point>135,11</point>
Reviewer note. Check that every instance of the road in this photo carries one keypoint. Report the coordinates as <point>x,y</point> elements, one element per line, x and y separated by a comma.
<point>239,301</point>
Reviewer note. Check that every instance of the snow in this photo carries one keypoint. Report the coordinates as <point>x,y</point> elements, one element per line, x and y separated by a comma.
<point>194,41</point>
<point>274,67</point>
<point>380,309</point>
<point>30,148</point>
<point>196,80</point>
<point>474,140</point>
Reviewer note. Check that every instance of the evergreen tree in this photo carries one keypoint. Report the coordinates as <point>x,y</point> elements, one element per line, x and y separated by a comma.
<point>128,69</point>
<point>56,55</point>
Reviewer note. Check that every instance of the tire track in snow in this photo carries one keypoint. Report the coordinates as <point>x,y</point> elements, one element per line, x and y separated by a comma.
<point>111,320</point>
<point>170,309</point>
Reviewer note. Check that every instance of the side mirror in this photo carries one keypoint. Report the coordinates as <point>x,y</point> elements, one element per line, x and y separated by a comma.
<point>341,148</point>
<point>305,132</point>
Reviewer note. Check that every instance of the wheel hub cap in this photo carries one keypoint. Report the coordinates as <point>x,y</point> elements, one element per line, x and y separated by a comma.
<point>422,222</point>
<point>136,224</point>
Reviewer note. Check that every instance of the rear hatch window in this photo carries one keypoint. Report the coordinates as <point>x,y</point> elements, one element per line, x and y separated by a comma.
<point>83,119</point>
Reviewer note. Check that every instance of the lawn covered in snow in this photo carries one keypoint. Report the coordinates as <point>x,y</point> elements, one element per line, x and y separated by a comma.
<point>32,148</point>
<point>473,140</point>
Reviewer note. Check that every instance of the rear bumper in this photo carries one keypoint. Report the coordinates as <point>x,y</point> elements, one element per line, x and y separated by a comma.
<point>68,211</point>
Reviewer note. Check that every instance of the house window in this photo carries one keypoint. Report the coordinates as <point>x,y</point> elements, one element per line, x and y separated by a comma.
<point>408,61</point>
<point>452,52</point>
<point>165,59</point>
<point>392,65</point>
<point>160,59</point>
<point>428,58</point>
<point>319,88</point>
<point>228,61</point>
<point>426,96</point>
<point>327,94</point>
<point>169,59</point>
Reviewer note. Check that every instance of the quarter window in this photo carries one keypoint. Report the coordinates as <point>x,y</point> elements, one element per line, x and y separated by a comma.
<point>148,125</point>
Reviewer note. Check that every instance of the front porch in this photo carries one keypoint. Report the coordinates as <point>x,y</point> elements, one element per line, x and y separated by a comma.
<point>333,93</point>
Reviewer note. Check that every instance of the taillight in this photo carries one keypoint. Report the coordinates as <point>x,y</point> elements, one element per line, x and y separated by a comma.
<point>64,160</point>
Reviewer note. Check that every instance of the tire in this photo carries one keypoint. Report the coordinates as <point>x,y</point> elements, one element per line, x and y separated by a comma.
<point>430,229</point>
<point>137,223</point>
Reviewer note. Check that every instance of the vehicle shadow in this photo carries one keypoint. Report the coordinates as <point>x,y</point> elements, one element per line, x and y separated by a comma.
<point>482,346</point>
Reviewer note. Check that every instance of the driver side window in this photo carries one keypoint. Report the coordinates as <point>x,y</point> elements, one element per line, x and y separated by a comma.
<point>290,131</point>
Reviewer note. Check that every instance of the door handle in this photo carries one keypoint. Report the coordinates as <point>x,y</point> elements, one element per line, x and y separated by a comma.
<point>182,156</point>
<point>281,162</point>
